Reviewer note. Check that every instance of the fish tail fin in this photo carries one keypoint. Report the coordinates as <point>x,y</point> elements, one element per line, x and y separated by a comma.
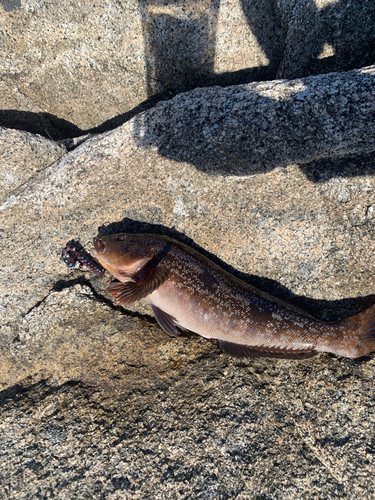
<point>359,337</point>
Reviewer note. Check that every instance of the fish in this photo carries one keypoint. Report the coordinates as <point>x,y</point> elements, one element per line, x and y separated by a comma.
<point>187,291</point>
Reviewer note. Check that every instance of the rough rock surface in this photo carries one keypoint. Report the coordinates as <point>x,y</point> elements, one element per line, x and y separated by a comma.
<point>94,343</point>
<point>122,175</point>
<point>22,155</point>
<point>97,401</point>
<point>69,66</point>
<point>74,64</point>
<point>326,35</point>
<point>218,429</point>
<point>250,128</point>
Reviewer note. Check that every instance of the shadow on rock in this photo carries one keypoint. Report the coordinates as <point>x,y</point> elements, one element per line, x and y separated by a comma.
<point>255,128</point>
<point>44,124</point>
<point>340,36</point>
<point>184,44</point>
<point>352,165</point>
<point>181,43</point>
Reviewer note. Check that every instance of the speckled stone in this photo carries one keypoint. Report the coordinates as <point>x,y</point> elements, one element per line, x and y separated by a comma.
<point>303,231</point>
<point>22,155</point>
<point>97,400</point>
<point>75,64</point>
<point>218,429</point>
<point>68,67</point>
<point>93,342</point>
<point>253,128</point>
<point>326,35</point>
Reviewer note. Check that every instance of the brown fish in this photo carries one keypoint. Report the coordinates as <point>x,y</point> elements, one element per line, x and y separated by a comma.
<point>187,291</point>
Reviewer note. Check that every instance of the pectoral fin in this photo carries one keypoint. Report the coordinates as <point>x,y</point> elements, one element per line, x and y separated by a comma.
<point>166,321</point>
<point>131,291</point>
<point>245,351</point>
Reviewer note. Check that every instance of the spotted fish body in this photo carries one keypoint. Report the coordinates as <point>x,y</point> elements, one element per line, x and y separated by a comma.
<point>187,291</point>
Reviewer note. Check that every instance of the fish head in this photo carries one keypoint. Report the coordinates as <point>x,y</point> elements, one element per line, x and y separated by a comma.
<point>122,254</point>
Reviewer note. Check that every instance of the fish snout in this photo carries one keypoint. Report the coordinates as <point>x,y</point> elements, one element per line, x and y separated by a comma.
<point>99,246</point>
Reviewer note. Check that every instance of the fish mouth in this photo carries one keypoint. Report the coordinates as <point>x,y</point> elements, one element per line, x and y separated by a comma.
<point>99,246</point>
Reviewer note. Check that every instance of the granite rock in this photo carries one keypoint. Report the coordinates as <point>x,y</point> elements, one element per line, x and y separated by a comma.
<point>245,129</point>
<point>73,65</point>
<point>72,335</point>
<point>326,35</point>
<point>22,155</point>
<point>69,67</point>
<point>300,230</point>
<point>97,400</point>
<point>219,429</point>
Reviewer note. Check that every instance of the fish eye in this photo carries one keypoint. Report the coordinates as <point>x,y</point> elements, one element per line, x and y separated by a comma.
<point>120,238</point>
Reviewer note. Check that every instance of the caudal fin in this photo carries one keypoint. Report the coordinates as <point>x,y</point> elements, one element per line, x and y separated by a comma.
<point>359,337</point>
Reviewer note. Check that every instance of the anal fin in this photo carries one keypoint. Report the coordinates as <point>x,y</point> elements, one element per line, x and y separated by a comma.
<point>245,351</point>
<point>166,321</point>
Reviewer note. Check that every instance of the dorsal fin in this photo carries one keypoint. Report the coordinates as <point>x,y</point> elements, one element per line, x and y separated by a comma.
<point>131,291</point>
<point>245,351</point>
